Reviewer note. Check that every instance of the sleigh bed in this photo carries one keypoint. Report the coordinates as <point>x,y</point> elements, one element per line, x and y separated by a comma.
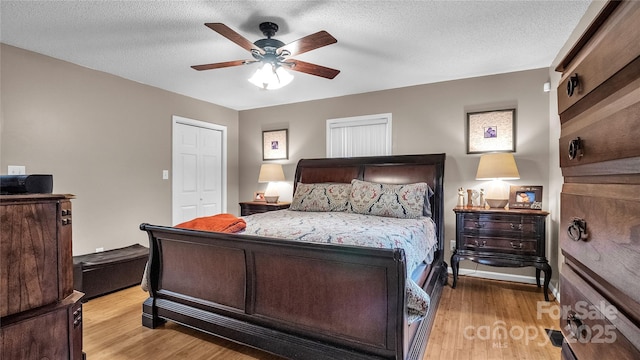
<point>304,299</point>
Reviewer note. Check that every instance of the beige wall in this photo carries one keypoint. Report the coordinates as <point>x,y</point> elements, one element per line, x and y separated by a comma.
<point>104,139</point>
<point>426,119</point>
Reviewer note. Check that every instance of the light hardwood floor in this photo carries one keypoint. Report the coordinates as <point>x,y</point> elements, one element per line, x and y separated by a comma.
<point>480,319</point>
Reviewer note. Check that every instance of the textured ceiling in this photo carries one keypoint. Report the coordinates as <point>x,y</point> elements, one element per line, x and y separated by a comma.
<point>381,44</point>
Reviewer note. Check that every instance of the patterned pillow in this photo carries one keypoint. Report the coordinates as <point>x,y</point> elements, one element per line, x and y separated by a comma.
<point>399,201</point>
<point>321,197</point>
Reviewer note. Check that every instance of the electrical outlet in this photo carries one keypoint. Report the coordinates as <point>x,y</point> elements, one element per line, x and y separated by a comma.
<point>99,249</point>
<point>16,170</point>
<point>452,245</point>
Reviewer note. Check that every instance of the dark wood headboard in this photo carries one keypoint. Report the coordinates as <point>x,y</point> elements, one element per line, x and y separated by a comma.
<point>395,169</point>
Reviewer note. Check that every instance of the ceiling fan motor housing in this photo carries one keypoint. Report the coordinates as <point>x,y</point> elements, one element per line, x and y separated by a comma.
<point>269,45</point>
<point>268,28</point>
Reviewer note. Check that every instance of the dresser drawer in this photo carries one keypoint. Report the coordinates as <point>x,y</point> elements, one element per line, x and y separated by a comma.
<point>491,224</point>
<point>609,249</point>
<point>613,46</point>
<point>501,245</point>
<point>607,131</point>
<point>593,327</point>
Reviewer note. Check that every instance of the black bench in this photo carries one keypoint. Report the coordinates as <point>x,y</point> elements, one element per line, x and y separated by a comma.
<point>104,272</point>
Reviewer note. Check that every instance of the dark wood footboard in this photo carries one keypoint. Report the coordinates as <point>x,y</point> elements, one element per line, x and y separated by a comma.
<point>297,300</point>
<point>300,300</point>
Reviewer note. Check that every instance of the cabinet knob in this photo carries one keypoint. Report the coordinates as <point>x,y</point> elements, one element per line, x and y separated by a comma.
<point>572,84</point>
<point>575,148</point>
<point>578,230</point>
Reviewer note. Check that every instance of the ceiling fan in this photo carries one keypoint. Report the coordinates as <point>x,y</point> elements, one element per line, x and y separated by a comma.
<point>273,53</point>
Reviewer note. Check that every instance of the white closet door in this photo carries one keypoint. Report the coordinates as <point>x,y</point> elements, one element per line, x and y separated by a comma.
<point>198,171</point>
<point>359,136</point>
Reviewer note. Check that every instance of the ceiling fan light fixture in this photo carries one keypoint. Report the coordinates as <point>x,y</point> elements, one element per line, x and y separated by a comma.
<point>271,77</point>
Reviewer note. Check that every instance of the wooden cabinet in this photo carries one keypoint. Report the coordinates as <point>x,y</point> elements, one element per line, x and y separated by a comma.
<point>600,200</point>
<point>41,314</point>
<point>256,207</point>
<point>510,238</point>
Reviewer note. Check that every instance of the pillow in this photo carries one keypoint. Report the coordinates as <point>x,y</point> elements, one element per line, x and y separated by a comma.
<point>321,197</point>
<point>400,201</point>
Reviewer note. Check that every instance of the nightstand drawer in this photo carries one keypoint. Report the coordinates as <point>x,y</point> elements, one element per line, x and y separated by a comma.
<point>516,225</point>
<point>258,207</point>
<point>501,245</point>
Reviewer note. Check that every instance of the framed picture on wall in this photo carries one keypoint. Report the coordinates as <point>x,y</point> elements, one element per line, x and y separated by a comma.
<point>275,145</point>
<point>491,131</point>
<point>525,197</point>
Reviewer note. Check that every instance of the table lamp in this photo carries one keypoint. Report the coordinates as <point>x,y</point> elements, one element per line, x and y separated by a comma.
<point>497,167</point>
<point>270,173</point>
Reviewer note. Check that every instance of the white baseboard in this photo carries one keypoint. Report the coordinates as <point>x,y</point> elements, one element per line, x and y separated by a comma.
<point>507,277</point>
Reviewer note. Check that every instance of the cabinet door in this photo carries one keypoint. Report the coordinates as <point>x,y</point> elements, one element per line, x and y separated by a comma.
<point>40,337</point>
<point>29,266</point>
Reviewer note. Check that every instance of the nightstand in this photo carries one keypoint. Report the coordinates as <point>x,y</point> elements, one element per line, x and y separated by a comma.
<point>498,237</point>
<point>256,207</point>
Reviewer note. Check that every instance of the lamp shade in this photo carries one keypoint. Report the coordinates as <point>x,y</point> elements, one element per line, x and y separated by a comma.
<point>497,166</point>
<point>271,172</point>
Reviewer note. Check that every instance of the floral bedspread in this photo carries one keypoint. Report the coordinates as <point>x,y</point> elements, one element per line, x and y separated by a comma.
<point>416,236</point>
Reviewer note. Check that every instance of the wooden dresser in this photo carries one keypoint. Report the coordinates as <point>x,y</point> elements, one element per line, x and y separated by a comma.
<point>499,237</point>
<point>40,313</point>
<point>599,107</point>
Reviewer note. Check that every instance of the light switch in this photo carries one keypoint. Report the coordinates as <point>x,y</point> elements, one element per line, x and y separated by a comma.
<point>165,174</point>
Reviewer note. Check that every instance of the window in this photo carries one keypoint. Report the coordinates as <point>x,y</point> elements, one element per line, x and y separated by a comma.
<point>368,135</point>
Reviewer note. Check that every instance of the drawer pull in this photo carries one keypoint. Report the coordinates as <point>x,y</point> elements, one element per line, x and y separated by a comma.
<point>575,148</point>
<point>513,227</point>
<point>578,230</point>
<point>575,326</point>
<point>478,244</point>
<point>478,225</point>
<point>516,246</point>
<point>572,84</point>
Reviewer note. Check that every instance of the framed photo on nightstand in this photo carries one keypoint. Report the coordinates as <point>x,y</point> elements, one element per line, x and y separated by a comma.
<point>525,197</point>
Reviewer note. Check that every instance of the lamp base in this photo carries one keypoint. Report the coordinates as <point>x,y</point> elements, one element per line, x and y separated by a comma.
<point>271,199</point>
<point>497,203</point>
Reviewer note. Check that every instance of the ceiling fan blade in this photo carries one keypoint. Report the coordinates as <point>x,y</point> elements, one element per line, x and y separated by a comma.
<point>230,34</point>
<point>307,43</point>
<point>313,69</point>
<point>222,64</point>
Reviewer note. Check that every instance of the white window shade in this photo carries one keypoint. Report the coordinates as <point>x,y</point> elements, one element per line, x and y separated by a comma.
<point>359,136</point>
